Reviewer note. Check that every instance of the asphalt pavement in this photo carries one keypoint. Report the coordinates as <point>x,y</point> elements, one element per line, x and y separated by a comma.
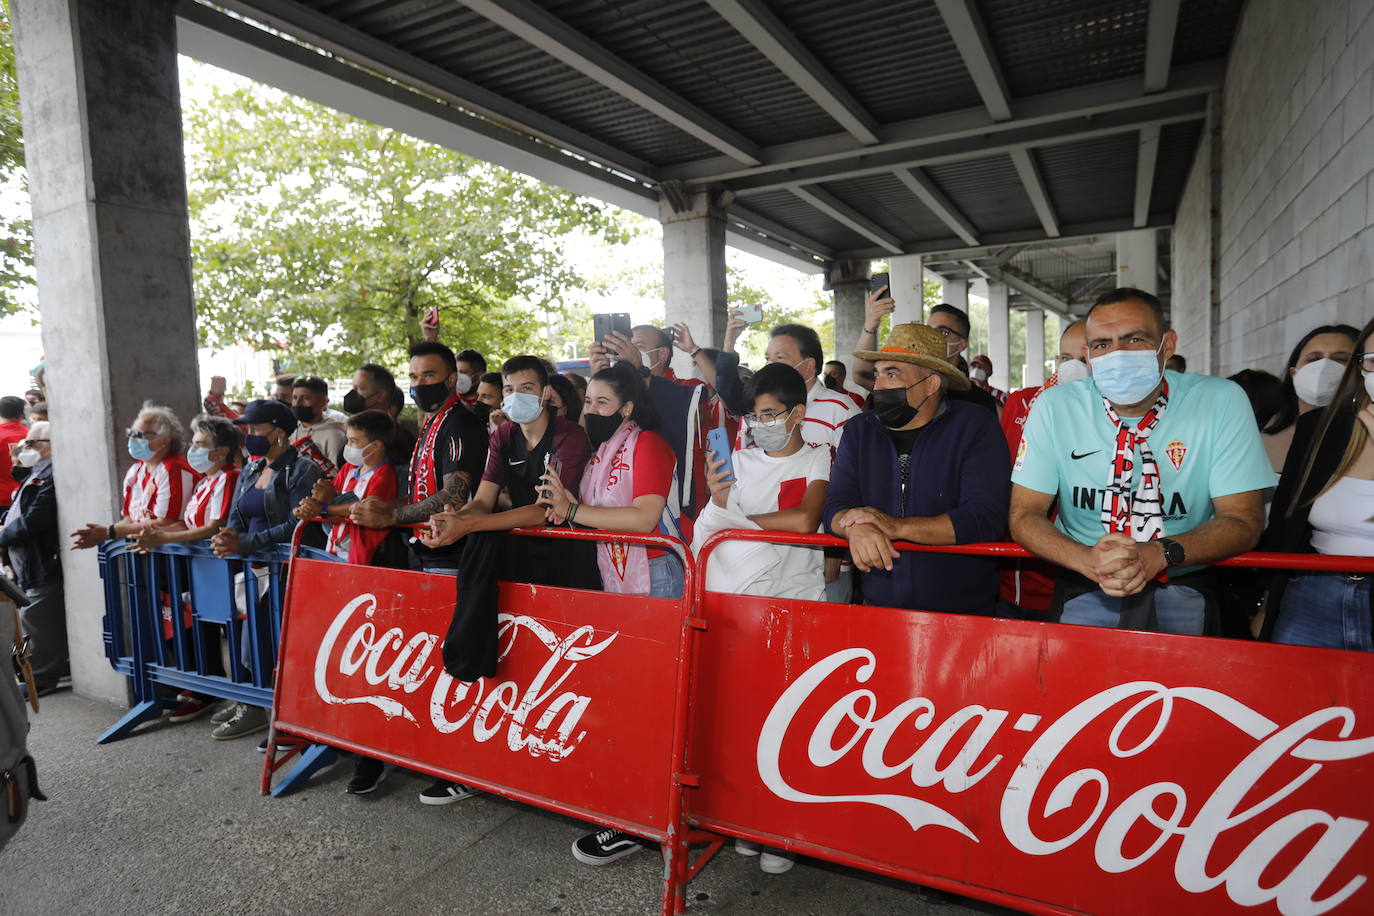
<point>170,821</point>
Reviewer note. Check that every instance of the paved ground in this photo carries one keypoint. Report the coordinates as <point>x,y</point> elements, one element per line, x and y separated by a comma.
<point>170,821</point>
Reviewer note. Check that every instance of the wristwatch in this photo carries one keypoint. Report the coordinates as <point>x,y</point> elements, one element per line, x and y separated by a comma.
<point>1173,552</point>
<point>645,371</point>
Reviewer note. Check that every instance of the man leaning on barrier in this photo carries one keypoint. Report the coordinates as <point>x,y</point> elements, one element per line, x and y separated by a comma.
<point>920,468</point>
<point>1156,473</point>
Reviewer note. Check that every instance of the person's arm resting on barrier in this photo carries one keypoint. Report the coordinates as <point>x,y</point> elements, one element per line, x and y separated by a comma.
<point>479,514</point>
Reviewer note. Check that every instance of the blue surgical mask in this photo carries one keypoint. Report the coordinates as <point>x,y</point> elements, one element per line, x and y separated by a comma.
<point>139,449</point>
<point>522,407</point>
<point>1127,376</point>
<point>199,459</point>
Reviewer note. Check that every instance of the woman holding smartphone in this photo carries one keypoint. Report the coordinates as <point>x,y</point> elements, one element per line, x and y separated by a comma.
<point>625,486</point>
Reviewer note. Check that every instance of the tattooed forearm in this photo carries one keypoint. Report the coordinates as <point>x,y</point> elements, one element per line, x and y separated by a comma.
<point>455,493</point>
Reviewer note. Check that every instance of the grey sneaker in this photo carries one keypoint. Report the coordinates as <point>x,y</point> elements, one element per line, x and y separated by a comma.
<point>224,713</point>
<point>245,721</point>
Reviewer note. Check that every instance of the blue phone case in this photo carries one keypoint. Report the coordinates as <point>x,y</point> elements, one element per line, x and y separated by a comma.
<point>720,444</point>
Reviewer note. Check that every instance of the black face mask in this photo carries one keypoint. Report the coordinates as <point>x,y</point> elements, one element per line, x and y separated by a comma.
<point>430,398</point>
<point>354,402</point>
<point>891,406</point>
<point>304,413</point>
<point>600,429</point>
<point>482,410</point>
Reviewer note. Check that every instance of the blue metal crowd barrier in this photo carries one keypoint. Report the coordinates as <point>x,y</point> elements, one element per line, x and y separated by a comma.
<point>167,611</point>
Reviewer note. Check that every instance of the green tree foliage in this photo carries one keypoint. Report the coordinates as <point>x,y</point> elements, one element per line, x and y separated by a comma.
<point>16,229</point>
<point>327,238</point>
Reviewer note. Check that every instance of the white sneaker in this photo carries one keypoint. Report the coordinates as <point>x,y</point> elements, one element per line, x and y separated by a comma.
<point>776,862</point>
<point>747,848</point>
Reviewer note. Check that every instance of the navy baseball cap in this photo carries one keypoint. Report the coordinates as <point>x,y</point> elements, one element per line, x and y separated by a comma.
<point>268,411</point>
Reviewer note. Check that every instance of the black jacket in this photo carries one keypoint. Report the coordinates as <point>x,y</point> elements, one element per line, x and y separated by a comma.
<point>31,537</point>
<point>294,479</point>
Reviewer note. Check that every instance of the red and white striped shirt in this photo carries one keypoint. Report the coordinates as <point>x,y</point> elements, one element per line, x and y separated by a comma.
<point>211,498</point>
<point>826,414</point>
<point>159,492</point>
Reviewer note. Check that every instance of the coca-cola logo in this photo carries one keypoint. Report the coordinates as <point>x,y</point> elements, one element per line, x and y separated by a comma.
<point>952,754</point>
<point>359,663</point>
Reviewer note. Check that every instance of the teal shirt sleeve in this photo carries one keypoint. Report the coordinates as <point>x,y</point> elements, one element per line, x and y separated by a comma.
<point>1240,463</point>
<point>1036,466</point>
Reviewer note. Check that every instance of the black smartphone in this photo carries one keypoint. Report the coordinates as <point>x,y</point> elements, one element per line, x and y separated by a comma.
<point>604,323</point>
<point>876,285</point>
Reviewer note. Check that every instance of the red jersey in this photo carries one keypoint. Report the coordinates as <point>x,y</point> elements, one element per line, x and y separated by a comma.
<point>211,498</point>
<point>11,431</point>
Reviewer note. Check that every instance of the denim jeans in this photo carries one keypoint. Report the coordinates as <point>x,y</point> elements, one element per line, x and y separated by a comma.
<point>1178,608</point>
<point>665,576</point>
<point>1329,612</point>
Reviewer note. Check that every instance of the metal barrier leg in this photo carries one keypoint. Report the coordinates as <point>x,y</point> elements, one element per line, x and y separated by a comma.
<point>313,759</point>
<point>146,711</point>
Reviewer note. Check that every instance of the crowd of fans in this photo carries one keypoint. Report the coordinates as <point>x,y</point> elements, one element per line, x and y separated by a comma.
<point>1124,475</point>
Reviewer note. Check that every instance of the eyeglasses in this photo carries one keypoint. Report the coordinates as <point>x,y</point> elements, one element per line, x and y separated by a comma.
<point>768,417</point>
<point>948,333</point>
<point>1365,361</point>
<point>137,434</point>
<point>30,443</point>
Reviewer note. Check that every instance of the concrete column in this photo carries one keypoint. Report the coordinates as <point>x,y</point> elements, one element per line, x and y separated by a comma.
<point>1137,260</point>
<point>999,336</point>
<point>906,288</point>
<point>1035,349</point>
<point>848,282</point>
<point>955,293</point>
<point>102,132</point>
<point>694,266</point>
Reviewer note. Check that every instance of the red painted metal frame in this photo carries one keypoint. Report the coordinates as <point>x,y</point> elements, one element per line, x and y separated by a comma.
<point>675,840</point>
<point>705,827</point>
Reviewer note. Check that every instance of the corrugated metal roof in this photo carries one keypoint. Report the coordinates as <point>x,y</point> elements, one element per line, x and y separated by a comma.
<point>1092,180</point>
<point>897,58</point>
<point>988,192</point>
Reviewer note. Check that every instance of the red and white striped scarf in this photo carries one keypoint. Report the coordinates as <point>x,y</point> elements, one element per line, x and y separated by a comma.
<point>424,483</point>
<point>1139,514</point>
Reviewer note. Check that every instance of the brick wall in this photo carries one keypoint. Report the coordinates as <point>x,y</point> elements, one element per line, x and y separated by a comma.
<point>1297,151</point>
<point>1191,283</point>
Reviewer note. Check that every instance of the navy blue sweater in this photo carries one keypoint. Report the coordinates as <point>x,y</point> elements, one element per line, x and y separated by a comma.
<point>959,467</point>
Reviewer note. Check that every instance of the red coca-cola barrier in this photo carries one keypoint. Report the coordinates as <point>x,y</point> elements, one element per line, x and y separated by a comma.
<point>587,716</point>
<point>1050,768</point>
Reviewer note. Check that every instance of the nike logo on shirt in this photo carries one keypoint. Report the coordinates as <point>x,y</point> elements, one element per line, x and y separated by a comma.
<point>1076,457</point>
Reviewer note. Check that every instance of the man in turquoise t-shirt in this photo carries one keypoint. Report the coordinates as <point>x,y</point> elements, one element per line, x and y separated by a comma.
<point>1155,472</point>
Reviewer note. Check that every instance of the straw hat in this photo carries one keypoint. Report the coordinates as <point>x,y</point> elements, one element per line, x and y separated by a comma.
<point>919,345</point>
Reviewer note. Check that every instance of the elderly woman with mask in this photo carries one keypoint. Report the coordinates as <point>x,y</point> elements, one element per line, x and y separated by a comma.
<point>157,485</point>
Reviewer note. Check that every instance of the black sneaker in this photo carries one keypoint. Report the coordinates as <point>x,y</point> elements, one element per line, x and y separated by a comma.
<point>368,774</point>
<point>443,792</point>
<point>605,847</point>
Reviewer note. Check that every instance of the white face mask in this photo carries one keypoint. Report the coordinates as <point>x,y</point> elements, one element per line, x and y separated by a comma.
<point>354,455</point>
<point>1317,381</point>
<point>978,374</point>
<point>1369,384</point>
<point>1073,370</point>
<point>27,458</point>
<point>462,382</point>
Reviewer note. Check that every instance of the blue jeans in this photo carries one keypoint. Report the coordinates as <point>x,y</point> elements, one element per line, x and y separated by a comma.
<point>665,576</point>
<point>440,570</point>
<point>1329,612</point>
<point>1178,608</point>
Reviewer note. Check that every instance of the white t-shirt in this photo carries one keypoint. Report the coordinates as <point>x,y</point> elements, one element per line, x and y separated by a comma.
<point>1342,519</point>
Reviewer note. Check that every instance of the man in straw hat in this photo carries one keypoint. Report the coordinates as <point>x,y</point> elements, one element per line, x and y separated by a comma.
<point>920,468</point>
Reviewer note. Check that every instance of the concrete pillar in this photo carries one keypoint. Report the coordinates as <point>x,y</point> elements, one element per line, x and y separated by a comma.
<point>906,288</point>
<point>999,336</point>
<point>102,132</point>
<point>694,266</point>
<point>955,293</point>
<point>1035,349</point>
<point>1137,260</point>
<point>848,282</point>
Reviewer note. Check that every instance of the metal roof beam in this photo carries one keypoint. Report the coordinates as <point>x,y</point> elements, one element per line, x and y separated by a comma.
<point>553,36</point>
<point>842,212</point>
<point>951,249</point>
<point>1159,42</point>
<point>971,38</point>
<point>1024,161</point>
<point>358,48</point>
<point>761,223</point>
<point>919,183</point>
<point>1146,158</point>
<point>1048,300</point>
<point>1068,108</point>
<point>766,32</point>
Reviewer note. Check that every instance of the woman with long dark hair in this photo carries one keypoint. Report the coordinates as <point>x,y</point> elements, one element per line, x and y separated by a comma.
<point>1309,381</point>
<point>1325,504</point>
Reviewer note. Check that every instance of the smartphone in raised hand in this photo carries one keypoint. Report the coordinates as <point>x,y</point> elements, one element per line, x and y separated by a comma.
<point>881,286</point>
<point>749,314</point>
<point>719,441</point>
<point>604,323</point>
